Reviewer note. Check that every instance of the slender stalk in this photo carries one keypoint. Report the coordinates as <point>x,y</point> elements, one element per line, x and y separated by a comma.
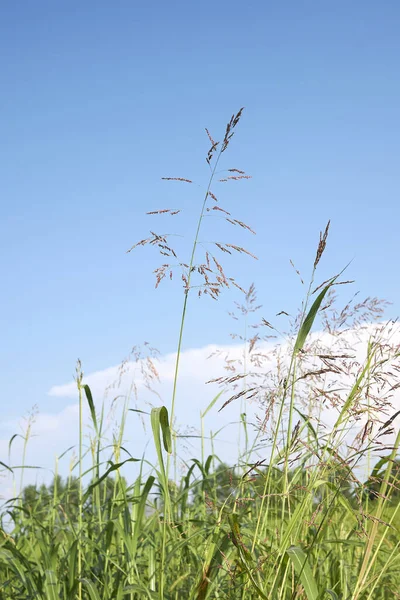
<point>80,501</point>
<point>177,364</point>
<point>185,301</point>
<point>369,558</point>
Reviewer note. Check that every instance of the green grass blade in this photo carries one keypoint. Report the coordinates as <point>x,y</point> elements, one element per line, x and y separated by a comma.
<point>165,429</point>
<point>159,421</point>
<point>72,559</point>
<point>212,403</point>
<point>50,586</point>
<point>303,570</point>
<point>140,512</point>
<point>6,466</point>
<point>114,467</point>
<point>355,390</point>
<point>91,406</point>
<point>310,318</point>
<point>91,588</point>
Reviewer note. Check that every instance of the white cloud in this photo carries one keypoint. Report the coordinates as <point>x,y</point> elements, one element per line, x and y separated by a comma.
<point>55,432</point>
<point>98,380</point>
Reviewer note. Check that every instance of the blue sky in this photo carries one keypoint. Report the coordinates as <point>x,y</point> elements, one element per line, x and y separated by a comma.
<point>100,100</point>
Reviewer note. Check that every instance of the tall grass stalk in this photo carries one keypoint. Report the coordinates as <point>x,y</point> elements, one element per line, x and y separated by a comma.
<point>183,319</point>
<point>79,377</point>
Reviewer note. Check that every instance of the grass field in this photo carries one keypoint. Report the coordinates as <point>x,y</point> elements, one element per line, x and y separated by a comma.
<point>296,524</point>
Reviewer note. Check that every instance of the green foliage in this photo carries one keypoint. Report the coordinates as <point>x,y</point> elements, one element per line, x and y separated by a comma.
<point>292,525</point>
<point>209,552</point>
<point>373,485</point>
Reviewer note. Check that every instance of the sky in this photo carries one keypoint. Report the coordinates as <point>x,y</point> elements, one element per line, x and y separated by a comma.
<point>101,100</point>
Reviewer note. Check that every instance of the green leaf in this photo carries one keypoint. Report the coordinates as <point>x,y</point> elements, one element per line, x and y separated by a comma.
<point>378,466</point>
<point>303,571</point>
<point>91,406</point>
<point>209,407</point>
<point>136,410</point>
<point>16,435</point>
<point>65,452</point>
<point>72,560</point>
<point>50,585</point>
<point>237,538</point>
<point>208,463</point>
<point>140,512</point>
<point>91,588</point>
<point>309,425</point>
<point>245,557</point>
<point>159,420</point>
<point>310,318</point>
<point>355,389</point>
<point>166,431</point>
<point>218,545</point>
<point>141,590</point>
<point>6,466</point>
<point>114,467</point>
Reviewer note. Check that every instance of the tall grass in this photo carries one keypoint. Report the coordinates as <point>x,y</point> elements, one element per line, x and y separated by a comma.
<point>291,520</point>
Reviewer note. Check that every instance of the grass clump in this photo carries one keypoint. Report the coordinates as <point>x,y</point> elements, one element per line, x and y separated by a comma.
<point>292,519</point>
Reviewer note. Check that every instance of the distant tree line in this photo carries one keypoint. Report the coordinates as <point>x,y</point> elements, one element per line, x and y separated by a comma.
<point>213,489</point>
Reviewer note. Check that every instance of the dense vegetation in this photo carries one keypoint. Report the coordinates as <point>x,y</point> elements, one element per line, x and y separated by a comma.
<point>291,520</point>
